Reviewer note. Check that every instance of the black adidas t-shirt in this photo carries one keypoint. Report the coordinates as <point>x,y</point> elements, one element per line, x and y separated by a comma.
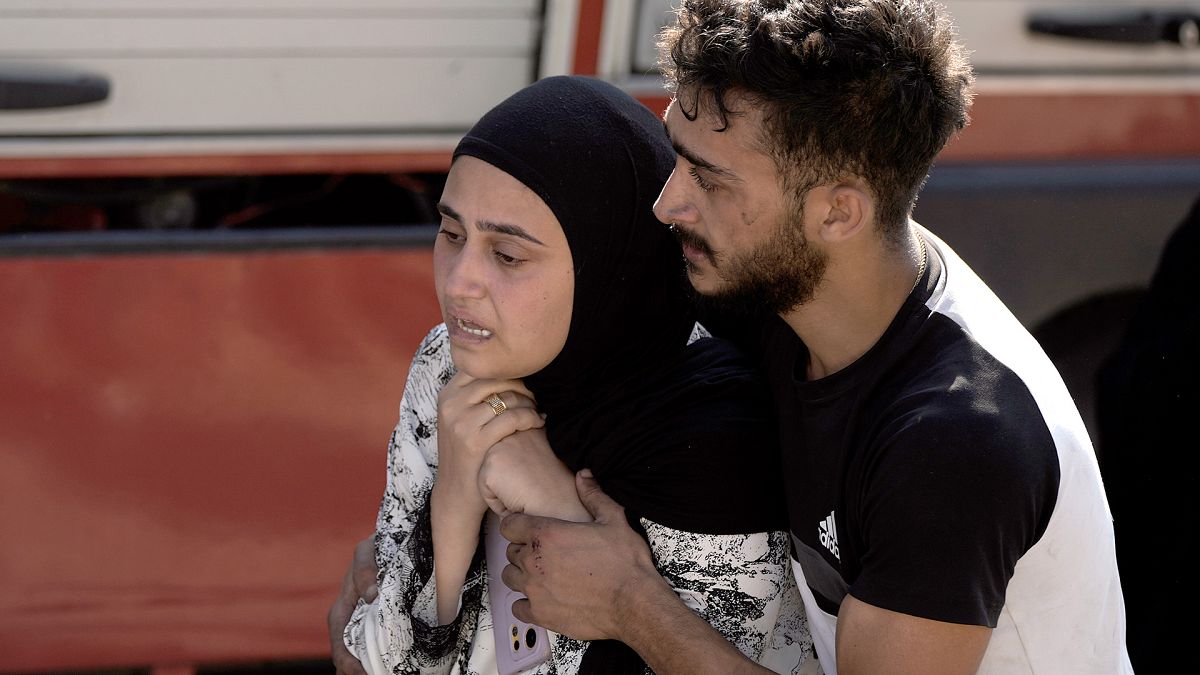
<point>945,470</point>
<point>946,474</point>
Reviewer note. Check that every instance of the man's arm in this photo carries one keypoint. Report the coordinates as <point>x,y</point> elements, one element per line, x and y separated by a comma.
<point>597,580</point>
<point>359,582</point>
<point>871,639</point>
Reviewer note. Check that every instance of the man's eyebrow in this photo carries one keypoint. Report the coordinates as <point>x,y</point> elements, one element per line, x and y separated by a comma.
<point>490,226</point>
<point>695,160</point>
<point>445,209</point>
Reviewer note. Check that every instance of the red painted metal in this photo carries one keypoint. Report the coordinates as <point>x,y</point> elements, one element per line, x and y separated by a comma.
<point>190,445</point>
<point>587,37</point>
<point>1069,126</point>
<point>218,165</point>
<point>1004,127</point>
<point>1076,126</point>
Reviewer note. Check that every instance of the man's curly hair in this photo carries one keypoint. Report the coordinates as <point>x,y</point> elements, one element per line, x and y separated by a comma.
<point>868,88</point>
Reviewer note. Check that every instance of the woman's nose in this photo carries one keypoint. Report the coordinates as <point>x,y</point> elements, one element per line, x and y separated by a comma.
<point>465,278</point>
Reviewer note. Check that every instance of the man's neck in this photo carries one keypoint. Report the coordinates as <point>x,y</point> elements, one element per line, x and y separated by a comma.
<point>856,302</point>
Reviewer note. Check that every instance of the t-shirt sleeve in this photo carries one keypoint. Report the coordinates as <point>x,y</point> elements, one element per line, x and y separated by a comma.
<point>950,504</point>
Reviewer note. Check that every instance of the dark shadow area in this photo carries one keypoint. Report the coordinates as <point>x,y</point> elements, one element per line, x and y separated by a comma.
<point>321,667</point>
<point>1079,338</point>
<point>1148,455</point>
<point>217,202</point>
<point>304,667</point>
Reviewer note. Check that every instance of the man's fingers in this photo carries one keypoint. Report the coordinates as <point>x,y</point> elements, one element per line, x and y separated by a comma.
<point>344,663</point>
<point>339,615</point>
<point>513,552</point>
<point>518,528</point>
<point>365,571</point>
<point>514,577</point>
<point>600,505</point>
<point>523,610</point>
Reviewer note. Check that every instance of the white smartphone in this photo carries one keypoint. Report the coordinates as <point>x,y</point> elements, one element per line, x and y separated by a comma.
<point>519,645</point>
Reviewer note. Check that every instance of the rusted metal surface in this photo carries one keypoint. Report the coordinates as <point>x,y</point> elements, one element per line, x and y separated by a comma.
<point>190,445</point>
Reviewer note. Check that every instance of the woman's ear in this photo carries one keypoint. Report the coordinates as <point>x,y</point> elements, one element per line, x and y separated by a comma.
<point>849,210</point>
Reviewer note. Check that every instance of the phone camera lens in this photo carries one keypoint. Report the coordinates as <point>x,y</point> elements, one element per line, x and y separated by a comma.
<point>530,637</point>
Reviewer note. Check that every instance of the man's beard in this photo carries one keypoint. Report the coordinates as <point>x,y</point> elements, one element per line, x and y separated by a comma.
<point>777,276</point>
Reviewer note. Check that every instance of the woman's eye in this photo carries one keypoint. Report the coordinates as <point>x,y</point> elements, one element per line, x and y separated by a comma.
<point>506,259</point>
<point>700,182</point>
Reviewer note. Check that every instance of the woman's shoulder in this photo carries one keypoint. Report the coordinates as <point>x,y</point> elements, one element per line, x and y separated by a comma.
<point>432,360</point>
<point>431,368</point>
<point>710,396</point>
<point>713,365</point>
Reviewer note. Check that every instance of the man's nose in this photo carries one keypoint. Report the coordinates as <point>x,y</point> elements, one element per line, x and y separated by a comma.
<point>673,204</point>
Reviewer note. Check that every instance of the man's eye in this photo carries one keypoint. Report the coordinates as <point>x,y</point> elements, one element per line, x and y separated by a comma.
<point>452,237</point>
<point>700,182</point>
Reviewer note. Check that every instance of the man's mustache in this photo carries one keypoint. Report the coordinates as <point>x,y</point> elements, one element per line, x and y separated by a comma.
<point>688,238</point>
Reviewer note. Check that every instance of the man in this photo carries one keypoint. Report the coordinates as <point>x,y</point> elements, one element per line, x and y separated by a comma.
<point>946,509</point>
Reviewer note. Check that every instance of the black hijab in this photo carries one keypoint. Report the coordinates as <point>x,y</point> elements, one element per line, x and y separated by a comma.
<point>675,433</point>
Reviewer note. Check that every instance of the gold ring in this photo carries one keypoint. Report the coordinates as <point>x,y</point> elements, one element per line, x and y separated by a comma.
<point>496,403</point>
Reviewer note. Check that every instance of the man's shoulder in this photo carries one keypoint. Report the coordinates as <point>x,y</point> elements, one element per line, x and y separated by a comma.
<point>959,398</point>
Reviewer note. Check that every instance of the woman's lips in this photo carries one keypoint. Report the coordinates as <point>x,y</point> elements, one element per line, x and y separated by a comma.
<point>467,329</point>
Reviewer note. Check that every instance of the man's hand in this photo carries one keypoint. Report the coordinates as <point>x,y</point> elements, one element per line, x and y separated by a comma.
<point>579,577</point>
<point>359,582</point>
<point>597,580</point>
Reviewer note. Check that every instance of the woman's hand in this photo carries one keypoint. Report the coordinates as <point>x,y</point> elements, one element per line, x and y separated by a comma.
<point>468,426</point>
<point>521,474</point>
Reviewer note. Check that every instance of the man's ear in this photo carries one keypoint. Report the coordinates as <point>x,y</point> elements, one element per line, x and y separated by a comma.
<point>849,210</point>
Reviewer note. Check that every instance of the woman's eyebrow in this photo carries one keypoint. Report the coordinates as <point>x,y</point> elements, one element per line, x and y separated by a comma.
<point>490,226</point>
<point>506,228</point>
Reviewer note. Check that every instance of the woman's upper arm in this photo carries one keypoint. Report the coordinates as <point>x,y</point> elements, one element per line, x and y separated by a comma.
<point>398,629</point>
<point>412,447</point>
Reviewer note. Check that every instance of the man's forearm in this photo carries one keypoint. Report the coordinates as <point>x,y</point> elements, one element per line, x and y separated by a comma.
<point>671,638</point>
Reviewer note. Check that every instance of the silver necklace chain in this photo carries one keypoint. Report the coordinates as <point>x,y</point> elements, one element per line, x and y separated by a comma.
<point>921,267</point>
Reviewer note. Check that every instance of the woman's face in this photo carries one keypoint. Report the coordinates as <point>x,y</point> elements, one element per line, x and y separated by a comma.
<point>503,272</point>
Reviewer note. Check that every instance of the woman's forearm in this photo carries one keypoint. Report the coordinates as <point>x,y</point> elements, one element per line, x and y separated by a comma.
<point>455,538</point>
<point>521,474</point>
<point>560,500</point>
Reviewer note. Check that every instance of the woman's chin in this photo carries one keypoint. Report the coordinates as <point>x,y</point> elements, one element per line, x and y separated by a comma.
<point>483,367</point>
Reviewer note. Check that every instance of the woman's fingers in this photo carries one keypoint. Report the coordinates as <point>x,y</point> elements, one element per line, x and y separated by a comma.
<point>481,389</point>
<point>508,423</point>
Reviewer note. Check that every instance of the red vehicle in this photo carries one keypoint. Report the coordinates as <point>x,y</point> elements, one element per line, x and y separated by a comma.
<point>215,266</point>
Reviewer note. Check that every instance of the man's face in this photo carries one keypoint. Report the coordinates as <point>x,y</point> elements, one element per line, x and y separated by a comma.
<point>742,235</point>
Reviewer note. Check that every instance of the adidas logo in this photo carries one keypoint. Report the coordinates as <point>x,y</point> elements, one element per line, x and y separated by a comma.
<point>827,529</point>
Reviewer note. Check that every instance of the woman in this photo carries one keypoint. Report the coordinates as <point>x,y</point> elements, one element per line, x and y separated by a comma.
<point>557,285</point>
